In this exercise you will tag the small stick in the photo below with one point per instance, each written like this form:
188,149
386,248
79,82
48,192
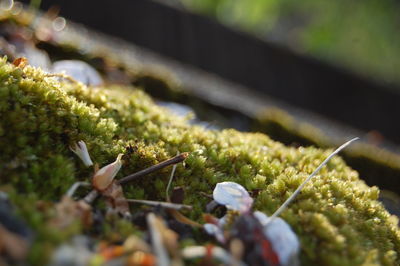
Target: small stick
167,205
297,191
174,160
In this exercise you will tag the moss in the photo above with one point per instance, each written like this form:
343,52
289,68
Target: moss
377,166
337,217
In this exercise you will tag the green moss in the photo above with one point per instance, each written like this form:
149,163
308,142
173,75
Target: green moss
337,217
377,166
116,230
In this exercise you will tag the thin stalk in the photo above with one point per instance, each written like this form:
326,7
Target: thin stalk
169,183
297,191
167,205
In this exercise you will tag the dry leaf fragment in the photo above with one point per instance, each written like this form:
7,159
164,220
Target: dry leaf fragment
68,210
115,198
111,252
140,258
20,62
105,176
134,243
103,181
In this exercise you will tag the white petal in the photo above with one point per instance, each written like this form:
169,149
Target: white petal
82,152
283,240
233,196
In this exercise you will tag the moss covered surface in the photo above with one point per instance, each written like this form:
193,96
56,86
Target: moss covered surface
337,217
377,166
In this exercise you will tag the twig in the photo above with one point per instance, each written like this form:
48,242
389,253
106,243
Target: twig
174,160
167,205
297,191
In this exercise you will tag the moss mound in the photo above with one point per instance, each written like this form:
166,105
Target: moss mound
337,217
377,166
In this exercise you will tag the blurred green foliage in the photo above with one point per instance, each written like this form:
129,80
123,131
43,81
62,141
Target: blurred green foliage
361,35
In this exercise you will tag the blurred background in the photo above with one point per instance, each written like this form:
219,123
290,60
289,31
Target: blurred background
362,36
337,59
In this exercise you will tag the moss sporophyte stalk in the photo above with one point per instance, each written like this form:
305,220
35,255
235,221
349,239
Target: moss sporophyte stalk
336,217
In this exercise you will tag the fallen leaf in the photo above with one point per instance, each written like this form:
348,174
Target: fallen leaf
68,210
115,198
